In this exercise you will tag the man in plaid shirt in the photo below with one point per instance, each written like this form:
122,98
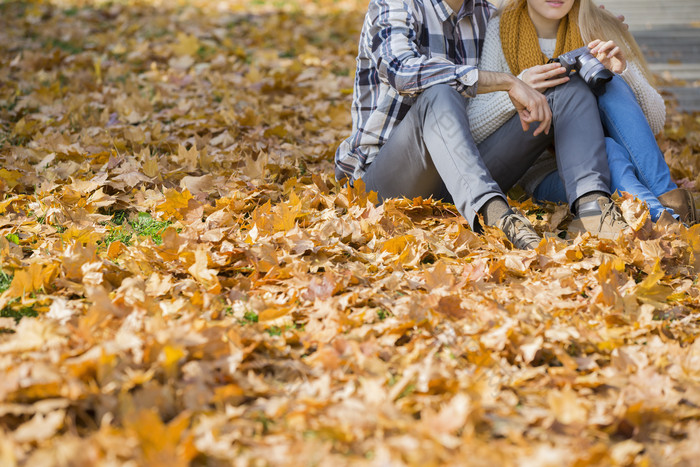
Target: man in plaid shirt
416,69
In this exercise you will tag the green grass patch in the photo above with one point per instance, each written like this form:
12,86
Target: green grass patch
143,225
65,46
5,281
147,226
118,235
18,313
278,330
249,317
382,314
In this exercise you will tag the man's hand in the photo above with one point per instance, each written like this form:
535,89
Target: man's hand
620,17
530,104
543,77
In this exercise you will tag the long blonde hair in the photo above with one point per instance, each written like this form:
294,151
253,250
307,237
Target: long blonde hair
597,23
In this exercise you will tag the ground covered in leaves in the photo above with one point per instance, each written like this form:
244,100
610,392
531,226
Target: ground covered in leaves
183,282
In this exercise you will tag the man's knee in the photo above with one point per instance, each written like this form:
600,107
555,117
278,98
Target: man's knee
448,108
442,96
439,91
576,92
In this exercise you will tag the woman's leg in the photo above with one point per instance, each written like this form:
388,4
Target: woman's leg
624,121
624,178
551,189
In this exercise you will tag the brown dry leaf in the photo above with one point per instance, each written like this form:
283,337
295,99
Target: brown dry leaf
567,407
40,427
184,281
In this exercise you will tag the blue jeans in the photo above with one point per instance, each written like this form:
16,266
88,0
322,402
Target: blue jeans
637,165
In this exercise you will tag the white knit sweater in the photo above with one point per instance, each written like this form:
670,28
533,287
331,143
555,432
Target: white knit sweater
487,112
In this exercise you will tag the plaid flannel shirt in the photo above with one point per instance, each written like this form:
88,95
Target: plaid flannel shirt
405,47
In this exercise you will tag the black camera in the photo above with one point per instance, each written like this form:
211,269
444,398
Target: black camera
593,73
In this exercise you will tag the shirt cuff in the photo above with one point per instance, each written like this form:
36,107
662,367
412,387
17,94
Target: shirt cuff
467,79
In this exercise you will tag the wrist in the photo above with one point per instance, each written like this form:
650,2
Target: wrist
490,81
510,81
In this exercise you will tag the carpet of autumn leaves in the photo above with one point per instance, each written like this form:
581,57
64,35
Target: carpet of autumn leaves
184,283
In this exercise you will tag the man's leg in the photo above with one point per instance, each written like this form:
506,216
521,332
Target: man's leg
431,152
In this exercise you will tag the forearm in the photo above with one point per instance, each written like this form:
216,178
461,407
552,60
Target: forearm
492,81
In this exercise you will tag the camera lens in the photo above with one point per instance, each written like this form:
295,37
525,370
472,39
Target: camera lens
597,82
593,73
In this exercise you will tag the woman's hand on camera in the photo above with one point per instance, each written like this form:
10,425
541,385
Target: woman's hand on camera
543,77
609,54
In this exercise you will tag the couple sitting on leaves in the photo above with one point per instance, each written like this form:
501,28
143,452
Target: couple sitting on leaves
426,122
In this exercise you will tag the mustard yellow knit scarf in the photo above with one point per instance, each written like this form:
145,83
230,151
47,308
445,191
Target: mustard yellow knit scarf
519,37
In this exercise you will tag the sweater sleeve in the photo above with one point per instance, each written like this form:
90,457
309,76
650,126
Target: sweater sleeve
649,99
489,111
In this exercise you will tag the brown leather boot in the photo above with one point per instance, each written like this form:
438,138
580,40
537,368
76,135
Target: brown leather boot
682,203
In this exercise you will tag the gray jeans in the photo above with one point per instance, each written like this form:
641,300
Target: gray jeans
432,152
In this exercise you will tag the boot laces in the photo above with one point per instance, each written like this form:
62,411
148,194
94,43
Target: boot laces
519,232
611,211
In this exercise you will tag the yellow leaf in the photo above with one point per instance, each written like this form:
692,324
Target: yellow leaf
277,130
150,167
651,288
567,407
86,235
286,214
397,245
174,201
40,427
439,276
186,45
31,279
162,445
189,158
202,273
273,313
170,358
97,65
10,177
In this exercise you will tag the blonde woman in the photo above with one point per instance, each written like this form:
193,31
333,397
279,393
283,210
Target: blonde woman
522,39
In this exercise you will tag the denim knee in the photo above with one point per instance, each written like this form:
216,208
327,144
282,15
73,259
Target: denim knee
615,91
